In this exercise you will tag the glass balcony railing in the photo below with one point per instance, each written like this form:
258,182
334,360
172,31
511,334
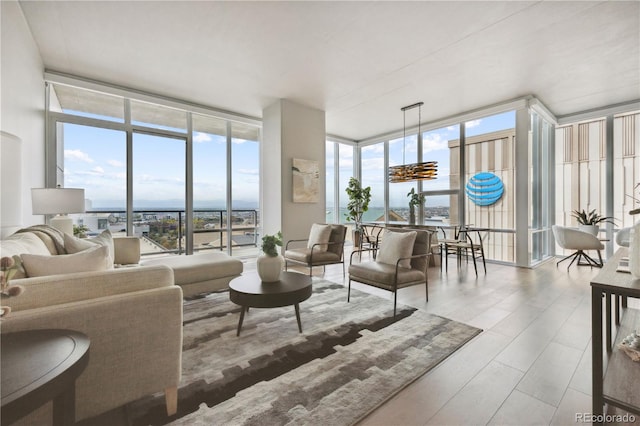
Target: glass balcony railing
162,231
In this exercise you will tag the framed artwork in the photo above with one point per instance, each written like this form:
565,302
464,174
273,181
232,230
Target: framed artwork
306,181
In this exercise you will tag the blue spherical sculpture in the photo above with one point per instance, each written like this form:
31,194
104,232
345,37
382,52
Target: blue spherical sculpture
484,189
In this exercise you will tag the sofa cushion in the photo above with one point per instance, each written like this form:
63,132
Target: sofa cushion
198,267
395,246
94,259
75,245
19,244
319,234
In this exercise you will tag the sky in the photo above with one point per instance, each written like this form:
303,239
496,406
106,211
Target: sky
95,159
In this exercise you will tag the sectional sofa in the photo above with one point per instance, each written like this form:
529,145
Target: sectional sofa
132,314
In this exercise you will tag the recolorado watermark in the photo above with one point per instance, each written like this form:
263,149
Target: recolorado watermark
604,418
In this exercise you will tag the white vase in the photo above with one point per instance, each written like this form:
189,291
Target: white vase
269,267
634,250
592,229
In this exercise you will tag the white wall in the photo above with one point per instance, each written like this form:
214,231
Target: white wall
291,130
22,109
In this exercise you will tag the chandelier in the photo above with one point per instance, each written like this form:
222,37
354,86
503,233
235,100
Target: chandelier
426,170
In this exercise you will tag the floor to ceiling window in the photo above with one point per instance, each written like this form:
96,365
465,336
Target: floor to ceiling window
245,191
541,194
345,172
159,190
441,194
330,161
372,172
402,150
180,171
209,182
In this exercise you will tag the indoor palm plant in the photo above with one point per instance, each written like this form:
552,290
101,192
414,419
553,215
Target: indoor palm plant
590,222
270,263
359,199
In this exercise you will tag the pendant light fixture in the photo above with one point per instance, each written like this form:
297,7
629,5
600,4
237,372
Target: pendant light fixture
426,170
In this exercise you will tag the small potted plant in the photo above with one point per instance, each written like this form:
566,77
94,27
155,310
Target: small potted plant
589,222
359,199
270,263
415,200
80,231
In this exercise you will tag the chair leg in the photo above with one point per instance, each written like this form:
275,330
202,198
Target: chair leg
426,288
475,267
286,265
343,269
395,301
349,291
483,261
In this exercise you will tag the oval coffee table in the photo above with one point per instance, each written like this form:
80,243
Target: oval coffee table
249,291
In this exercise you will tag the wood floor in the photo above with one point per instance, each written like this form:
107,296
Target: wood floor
530,365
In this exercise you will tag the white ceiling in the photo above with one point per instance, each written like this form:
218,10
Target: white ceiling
358,61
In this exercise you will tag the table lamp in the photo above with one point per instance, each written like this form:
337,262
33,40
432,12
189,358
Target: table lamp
60,202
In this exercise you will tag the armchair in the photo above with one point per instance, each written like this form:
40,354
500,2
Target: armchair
325,246
401,262
573,239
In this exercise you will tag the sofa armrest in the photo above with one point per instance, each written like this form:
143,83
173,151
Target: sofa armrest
67,288
126,250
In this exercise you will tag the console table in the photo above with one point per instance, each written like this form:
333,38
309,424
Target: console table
39,366
618,385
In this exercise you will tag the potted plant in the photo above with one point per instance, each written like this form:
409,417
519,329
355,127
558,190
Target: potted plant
359,199
80,231
589,222
415,200
270,263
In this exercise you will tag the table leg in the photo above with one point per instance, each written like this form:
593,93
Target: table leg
297,306
596,352
608,321
64,407
242,310
617,309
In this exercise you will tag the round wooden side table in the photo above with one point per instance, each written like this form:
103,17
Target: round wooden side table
39,366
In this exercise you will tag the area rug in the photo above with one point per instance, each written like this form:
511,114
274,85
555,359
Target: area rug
349,359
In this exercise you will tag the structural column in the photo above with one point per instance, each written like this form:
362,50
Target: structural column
290,130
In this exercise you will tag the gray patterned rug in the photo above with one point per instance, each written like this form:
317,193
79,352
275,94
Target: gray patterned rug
349,359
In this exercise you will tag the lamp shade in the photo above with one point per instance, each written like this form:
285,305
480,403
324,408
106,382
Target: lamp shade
57,200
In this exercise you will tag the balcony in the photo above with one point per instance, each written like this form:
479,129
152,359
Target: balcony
162,231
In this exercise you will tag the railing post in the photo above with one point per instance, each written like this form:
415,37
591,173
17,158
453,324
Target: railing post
180,232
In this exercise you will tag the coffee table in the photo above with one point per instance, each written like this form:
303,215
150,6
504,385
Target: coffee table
249,291
39,366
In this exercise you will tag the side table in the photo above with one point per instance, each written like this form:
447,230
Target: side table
38,366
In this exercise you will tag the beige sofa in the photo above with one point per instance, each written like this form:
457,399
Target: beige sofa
133,317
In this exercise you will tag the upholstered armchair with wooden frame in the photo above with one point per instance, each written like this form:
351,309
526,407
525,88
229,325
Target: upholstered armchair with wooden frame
402,260
325,246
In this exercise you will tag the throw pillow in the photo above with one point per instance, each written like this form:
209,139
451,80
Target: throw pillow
396,245
94,259
319,234
75,245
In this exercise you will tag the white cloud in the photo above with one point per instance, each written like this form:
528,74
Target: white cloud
253,172
98,170
115,163
238,141
76,154
201,137
375,149
372,163
473,123
434,142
